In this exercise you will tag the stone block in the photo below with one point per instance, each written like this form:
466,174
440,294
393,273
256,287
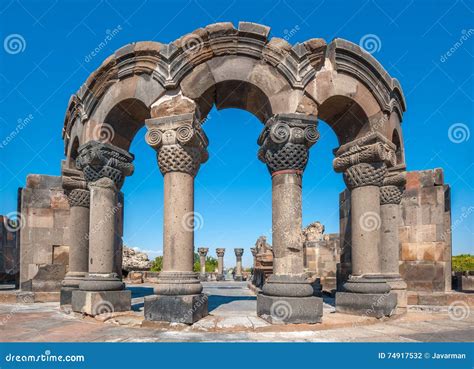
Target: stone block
186,309
438,176
409,251
373,305
65,296
39,218
438,299
101,302
290,310
47,296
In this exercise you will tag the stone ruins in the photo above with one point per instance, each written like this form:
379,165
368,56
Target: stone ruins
394,245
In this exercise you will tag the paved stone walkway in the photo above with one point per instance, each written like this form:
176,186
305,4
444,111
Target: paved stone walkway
232,318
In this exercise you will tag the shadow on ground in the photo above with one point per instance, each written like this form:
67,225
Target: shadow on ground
216,300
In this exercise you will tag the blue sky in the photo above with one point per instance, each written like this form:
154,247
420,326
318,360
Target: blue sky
233,189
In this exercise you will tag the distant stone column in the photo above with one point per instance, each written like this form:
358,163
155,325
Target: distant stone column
253,250
364,164
238,265
79,202
202,261
390,197
105,167
181,147
285,143
220,264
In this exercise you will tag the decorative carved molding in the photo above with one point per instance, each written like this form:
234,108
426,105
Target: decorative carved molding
202,251
180,142
393,186
101,160
239,252
79,198
285,141
220,252
168,64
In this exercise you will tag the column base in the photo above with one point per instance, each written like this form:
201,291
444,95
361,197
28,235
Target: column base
375,305
290,310
399,287
220,277
178,283
288,286
187,309
65,295
101,302
203,277
238,278
102,282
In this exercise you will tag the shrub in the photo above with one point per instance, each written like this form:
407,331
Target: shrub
463,263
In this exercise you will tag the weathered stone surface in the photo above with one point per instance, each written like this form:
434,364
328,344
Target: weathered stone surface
186,309
290,310
100,302
375,305
134,260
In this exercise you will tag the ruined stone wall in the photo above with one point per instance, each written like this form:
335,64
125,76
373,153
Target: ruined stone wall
322,257
9,267
425,233
44,254
425,236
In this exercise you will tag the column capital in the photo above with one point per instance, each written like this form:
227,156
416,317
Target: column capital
99,160
180,143
392,189
75,187
220,252
253,250
202,251
364,161
239,252
372,148
285,142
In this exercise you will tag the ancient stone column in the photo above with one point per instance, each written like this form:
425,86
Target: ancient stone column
220,264
78,196
238,265
364,164
202,261
390,198
287,294
181,146
105,167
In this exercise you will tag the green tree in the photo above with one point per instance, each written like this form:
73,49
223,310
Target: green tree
157,264
463,263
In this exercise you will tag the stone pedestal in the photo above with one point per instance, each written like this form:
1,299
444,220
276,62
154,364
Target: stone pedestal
238,265
105,167
364,163
101,302
220,264
186,309
289,310
285,143
181,148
